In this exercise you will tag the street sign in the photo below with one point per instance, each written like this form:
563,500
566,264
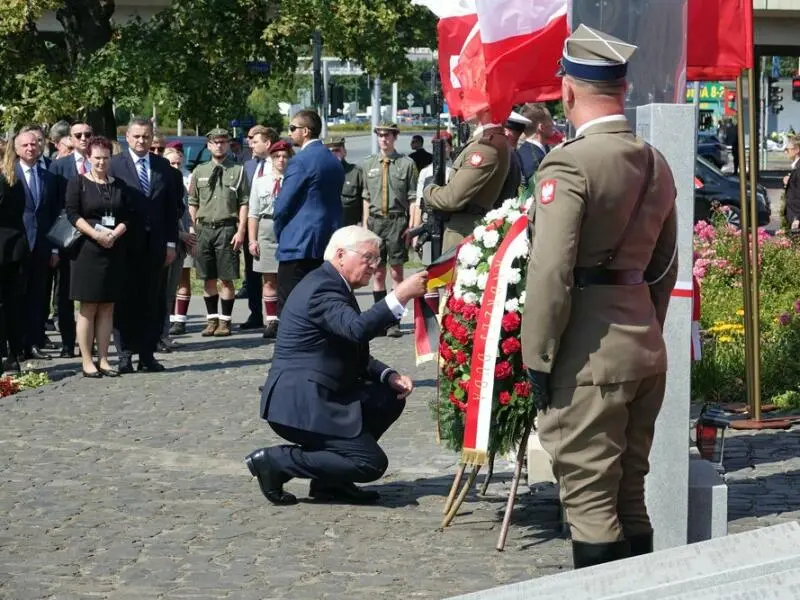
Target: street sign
257,66
776,67
410,99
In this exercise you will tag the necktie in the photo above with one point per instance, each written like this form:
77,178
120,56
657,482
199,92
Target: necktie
143,180
33,184
385,187
261,168
85,166
276,189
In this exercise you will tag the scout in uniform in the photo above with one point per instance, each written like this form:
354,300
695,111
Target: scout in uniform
600,273
390,188
218,199
477,183
353,188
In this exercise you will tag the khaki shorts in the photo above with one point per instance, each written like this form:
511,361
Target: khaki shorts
215,256
267,246
390,229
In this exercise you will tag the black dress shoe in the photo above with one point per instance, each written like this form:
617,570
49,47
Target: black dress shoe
92,375
125,365
67,352
251,324
150,365
108,372
341,492
47,344
269,479
33,353
163,348
270,330
585,554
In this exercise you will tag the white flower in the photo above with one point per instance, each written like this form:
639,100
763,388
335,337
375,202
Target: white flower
490,260
514,276
522,297
510,204
512,305
469,255
467,277
523,250
458,291
496,213
470,298
482,279
479,232
490,239
513,215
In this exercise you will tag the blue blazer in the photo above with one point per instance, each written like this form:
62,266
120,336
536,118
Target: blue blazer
155,219
530,156
321,368
41,213
250,170
309,208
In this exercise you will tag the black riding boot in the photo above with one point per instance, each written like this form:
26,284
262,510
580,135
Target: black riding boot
641,543
585,554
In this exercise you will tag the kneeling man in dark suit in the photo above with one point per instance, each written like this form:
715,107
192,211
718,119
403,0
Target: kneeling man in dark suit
325,394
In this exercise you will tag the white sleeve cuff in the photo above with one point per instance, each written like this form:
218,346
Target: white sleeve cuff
394,305
171,245
385,374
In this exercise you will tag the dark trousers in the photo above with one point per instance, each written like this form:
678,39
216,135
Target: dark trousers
12,308
66,307
139,314
290,273
36,300
338,460
253,281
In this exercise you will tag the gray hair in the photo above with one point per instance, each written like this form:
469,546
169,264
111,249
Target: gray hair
348,238
141,121
60,129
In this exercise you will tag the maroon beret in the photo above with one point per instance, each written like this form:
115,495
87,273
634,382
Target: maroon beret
175,144
280,145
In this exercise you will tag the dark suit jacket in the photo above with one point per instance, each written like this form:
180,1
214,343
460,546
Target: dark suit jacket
155,216
309,208
530,156
13,245
40,216
250,170
63,169
321,364
793,196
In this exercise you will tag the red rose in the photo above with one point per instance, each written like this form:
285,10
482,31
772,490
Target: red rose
449,372
511,321
456,304
502,370
464,384
462,406
469,312
504,398
522,389
461,357
447,322
510,345
445,352
461,334
453,399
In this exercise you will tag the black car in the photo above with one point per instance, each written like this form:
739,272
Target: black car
712,149
713,188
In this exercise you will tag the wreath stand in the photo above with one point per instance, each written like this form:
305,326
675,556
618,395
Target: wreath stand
456,498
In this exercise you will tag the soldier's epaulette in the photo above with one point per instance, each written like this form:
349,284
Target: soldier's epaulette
567,142
487,139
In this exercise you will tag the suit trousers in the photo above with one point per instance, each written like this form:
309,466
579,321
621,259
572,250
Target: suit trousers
338,460
599,438
66,307
12,308
36,300
139,314
253,282
290,273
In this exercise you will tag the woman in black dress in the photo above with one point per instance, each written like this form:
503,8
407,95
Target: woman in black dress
98,206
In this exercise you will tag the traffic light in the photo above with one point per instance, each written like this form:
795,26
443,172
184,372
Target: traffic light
336,97
796,89
775,96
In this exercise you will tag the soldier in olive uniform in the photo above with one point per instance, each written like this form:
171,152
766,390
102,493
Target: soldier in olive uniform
478,181
218,200
390,189
600,273
353,188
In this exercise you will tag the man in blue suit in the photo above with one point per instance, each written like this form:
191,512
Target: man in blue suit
309,207
534,148
325,393
157,196
41,210
65,169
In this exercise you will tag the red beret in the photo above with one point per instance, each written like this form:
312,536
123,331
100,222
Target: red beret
280,145
175,144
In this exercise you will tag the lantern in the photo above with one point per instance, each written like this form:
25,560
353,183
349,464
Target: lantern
710,434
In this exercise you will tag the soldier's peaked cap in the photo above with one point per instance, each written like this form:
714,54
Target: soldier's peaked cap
218,132
516,122
384,126
592,55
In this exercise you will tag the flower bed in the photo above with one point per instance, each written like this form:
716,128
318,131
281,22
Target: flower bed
512,407
720,375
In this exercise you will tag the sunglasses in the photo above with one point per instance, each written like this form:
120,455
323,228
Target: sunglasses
83,135
157,149
293,128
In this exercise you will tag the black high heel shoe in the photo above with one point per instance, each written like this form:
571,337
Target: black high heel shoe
95,375
108,372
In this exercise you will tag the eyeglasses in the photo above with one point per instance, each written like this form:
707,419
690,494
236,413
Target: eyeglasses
293,128
83,134
157,149
370,259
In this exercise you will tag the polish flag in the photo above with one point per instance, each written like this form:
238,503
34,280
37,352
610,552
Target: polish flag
522,41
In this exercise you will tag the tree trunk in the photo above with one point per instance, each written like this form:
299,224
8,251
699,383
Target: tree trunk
87,28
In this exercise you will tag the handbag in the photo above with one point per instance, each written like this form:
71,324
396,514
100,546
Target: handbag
63,234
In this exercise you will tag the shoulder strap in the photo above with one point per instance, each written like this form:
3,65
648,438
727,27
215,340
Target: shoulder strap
635,212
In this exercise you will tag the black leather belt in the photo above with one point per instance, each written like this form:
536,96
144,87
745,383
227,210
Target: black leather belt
585,277
219,224
266,217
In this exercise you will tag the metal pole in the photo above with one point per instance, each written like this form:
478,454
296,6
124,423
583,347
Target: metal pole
316,71
325,99
394,102
755,410
376,111
744,227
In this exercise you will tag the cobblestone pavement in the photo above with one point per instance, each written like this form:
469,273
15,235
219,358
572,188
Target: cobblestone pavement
135,488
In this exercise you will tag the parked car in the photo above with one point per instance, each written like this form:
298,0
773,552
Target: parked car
713,188
712,149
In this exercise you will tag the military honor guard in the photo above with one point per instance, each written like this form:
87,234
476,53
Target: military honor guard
600,273
218,207
353,188
390,187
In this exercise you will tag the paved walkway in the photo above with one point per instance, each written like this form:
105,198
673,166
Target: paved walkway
135,488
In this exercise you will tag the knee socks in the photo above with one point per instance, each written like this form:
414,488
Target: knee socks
227,309
211,306
271,308
181,309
